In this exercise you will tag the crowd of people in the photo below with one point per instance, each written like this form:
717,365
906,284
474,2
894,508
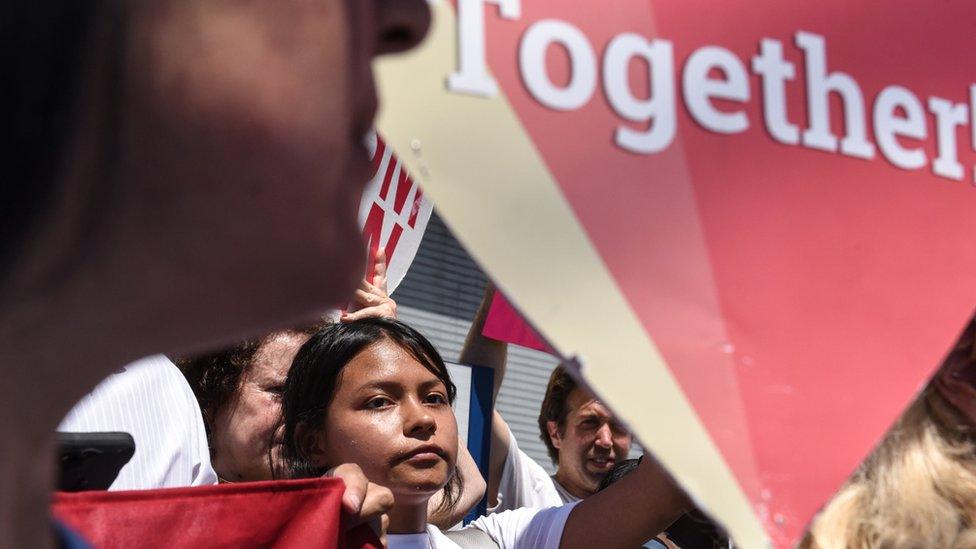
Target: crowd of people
365,395
185,178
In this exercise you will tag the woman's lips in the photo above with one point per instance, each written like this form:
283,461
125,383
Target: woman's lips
422,455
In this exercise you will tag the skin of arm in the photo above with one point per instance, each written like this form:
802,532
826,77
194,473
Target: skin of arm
628,513
479,350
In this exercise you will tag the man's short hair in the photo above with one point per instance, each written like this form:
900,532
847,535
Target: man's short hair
554,407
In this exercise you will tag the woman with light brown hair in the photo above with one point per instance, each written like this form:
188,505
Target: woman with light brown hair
918,487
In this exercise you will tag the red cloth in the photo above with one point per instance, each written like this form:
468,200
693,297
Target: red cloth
280,514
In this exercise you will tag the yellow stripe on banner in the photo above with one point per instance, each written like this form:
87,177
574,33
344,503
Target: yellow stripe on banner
486,178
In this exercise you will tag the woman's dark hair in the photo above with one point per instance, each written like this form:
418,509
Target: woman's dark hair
316,372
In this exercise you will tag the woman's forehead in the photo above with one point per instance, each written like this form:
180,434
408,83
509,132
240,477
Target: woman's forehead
385,361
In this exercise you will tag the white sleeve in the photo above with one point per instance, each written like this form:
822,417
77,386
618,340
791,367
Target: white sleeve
526,528
151,400
524,482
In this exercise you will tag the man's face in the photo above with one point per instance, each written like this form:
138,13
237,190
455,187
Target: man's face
591,443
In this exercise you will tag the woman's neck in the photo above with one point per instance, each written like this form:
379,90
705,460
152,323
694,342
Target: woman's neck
408,518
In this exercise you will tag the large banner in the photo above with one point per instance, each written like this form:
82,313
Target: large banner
749,221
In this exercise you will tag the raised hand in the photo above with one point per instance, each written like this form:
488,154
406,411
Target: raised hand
363,501
371,299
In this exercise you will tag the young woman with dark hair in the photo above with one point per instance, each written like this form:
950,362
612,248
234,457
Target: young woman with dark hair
240,389
330,350
376,394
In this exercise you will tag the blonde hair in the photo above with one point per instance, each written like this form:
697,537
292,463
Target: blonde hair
917,489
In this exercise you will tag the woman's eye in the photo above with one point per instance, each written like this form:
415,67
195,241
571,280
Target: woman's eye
435,398
277,390
377,403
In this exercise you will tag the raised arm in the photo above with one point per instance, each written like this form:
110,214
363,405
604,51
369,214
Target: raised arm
479,350
371,298
631,511
473,489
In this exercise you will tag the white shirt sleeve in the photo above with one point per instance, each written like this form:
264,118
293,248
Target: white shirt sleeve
151,400
524,482
526,528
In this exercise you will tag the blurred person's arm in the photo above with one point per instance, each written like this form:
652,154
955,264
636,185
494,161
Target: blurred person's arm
626,514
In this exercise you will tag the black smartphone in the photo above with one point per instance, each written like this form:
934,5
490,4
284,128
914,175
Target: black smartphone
91,461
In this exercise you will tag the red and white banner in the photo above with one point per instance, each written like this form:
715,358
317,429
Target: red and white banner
393,212
750,221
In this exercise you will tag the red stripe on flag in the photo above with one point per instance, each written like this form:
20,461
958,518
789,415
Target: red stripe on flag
403,189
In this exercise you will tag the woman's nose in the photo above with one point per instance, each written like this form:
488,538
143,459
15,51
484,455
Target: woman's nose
400,24
419,422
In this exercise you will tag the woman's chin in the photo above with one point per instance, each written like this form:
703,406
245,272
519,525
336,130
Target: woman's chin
417,487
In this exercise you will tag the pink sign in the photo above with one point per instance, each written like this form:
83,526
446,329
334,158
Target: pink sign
782,192
505,324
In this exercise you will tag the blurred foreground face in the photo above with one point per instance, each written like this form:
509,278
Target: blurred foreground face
240,151
207,190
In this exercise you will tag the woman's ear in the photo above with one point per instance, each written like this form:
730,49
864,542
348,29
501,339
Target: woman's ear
312,444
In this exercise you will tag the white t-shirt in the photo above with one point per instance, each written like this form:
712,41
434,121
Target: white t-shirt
151,400
522,529
525,483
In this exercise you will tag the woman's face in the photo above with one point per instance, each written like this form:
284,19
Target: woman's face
391,416
243,428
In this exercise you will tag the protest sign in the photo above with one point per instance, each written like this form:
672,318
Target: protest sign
749,222
393,212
